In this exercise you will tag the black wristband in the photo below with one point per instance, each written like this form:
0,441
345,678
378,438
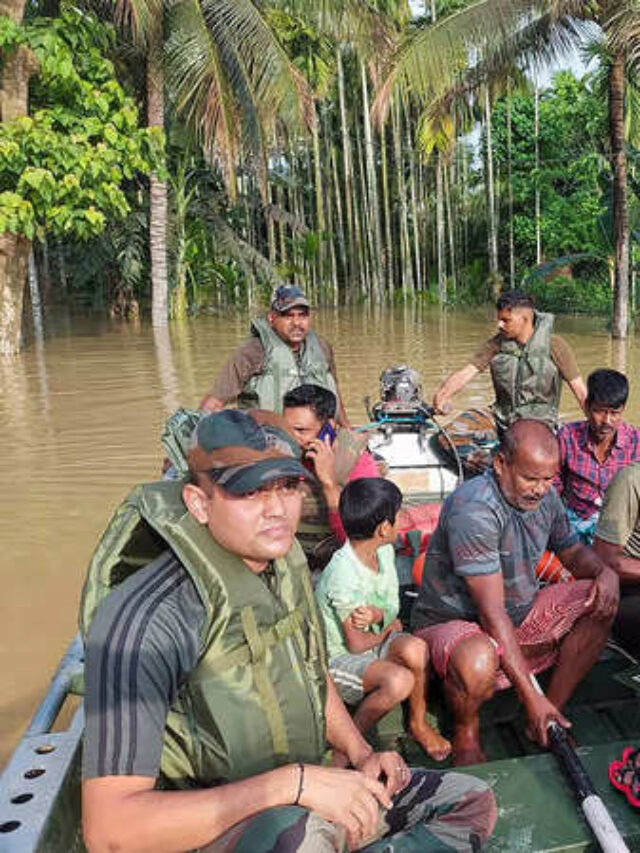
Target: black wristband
300,784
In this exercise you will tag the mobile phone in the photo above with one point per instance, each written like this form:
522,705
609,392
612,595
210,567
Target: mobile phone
327,430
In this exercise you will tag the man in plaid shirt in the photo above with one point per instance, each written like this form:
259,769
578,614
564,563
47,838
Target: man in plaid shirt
593,451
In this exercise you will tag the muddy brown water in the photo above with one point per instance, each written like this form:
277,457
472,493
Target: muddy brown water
80,420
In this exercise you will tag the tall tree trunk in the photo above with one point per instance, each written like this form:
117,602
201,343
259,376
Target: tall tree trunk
339,223
405,271
388,248
620,209
372,193
362,218
14,259
411,147
512,256
440,247
16,67
347,166
465,208
36,300
440,238
450,228
491,193
320,190
158,187
536,134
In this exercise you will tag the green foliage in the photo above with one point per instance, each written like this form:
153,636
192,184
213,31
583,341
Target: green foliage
64,169
566,295
571,137
311,52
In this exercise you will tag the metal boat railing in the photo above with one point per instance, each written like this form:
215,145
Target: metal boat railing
39,788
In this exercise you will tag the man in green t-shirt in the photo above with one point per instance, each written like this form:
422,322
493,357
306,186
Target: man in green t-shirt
618,543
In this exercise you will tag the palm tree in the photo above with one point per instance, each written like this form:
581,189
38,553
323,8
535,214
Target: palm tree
488,33
221,66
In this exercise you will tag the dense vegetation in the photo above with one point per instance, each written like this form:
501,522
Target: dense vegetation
343,145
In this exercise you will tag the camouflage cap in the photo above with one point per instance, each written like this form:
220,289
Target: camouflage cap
244,450
287,297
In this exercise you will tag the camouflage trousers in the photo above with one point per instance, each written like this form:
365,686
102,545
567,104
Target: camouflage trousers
437,811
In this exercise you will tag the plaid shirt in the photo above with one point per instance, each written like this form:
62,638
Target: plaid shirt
582,480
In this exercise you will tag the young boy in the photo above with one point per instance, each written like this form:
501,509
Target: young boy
371,660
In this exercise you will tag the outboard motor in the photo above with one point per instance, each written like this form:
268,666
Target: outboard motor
401,406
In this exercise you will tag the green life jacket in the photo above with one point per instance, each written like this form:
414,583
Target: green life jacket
176,437
256,698
284,369
526,380
314,521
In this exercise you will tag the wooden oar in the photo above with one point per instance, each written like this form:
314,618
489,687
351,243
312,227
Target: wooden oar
593,808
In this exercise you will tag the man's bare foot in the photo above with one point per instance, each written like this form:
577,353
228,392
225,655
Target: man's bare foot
467,749
430,740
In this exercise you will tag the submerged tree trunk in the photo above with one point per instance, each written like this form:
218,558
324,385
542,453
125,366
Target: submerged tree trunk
158,187
16,67
14,260
620,209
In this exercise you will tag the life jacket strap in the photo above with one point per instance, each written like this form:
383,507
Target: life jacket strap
264,685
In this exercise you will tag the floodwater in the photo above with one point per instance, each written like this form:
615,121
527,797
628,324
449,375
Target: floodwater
80,420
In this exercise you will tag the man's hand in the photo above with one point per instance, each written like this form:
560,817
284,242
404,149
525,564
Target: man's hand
321,453
441,405
604,595
349,798
389,765
540,713
365,615
211,404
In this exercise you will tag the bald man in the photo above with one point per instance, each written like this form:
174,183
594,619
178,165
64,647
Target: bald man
488,624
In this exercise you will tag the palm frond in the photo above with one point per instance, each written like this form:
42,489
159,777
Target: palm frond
621,23
232,79
353,22
475,43
252,263
276,213
438,53
139,18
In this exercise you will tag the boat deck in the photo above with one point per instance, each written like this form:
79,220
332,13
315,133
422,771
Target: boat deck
536,808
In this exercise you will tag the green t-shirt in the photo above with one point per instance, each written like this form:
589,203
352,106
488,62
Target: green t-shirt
347,583
619,522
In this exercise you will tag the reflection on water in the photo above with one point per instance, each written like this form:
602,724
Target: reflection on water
80,420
